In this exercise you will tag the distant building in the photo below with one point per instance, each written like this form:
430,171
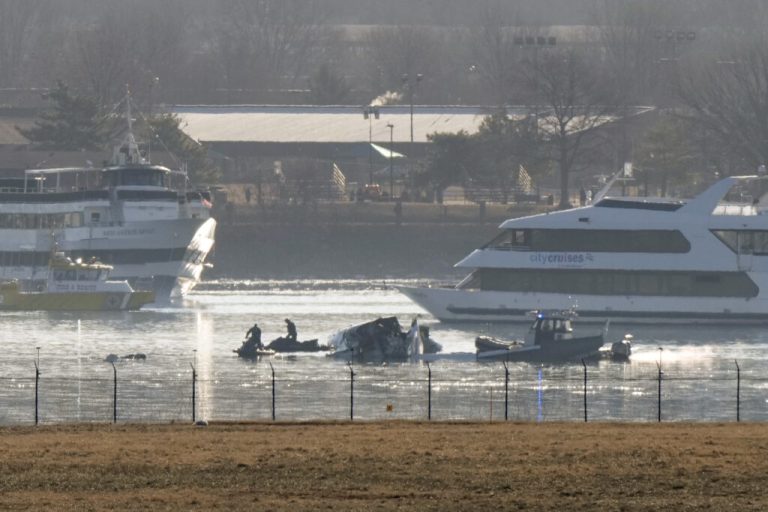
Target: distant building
250,140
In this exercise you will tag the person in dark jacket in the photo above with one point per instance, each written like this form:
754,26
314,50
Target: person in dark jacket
254,337
291,330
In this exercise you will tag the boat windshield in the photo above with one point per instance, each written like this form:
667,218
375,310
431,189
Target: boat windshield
64,275
153,176
88,274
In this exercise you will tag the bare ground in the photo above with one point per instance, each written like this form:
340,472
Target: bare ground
386,466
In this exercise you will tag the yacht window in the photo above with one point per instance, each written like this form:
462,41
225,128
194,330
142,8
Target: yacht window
69,275
639,205
510,239
619,282
760,242
743,241
471,282
607,240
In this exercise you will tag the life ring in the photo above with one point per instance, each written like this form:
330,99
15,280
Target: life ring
113,302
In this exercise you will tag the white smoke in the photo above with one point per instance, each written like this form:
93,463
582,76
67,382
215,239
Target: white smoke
388,98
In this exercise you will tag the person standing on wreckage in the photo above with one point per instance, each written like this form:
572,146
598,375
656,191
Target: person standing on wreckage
253,336
292,335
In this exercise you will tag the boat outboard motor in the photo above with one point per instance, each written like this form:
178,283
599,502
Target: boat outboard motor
622,349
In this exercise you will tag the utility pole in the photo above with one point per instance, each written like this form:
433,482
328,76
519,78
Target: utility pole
368,111
391,161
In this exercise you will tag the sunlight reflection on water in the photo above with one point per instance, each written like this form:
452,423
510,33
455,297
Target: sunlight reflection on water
76,383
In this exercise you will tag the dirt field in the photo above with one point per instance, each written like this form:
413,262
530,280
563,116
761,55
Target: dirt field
386,466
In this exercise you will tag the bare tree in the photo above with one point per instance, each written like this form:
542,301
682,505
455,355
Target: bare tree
131,46
578,98
403,50
494,53
17,19
629,33
666,153
729,98
265,43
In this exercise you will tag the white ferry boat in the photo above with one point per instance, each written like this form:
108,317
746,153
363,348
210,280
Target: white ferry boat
634,259
126,215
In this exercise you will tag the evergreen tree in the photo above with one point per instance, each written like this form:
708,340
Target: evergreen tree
166,132
450,160
504,145
72,123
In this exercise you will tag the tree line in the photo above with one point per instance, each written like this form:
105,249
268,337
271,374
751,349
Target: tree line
710,80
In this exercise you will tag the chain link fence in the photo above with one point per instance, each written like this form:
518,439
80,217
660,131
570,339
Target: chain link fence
466,392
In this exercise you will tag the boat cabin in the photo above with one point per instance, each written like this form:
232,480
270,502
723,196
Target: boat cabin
550,327
136,176
64,272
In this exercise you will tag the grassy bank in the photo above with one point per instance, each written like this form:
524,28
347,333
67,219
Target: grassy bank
385,466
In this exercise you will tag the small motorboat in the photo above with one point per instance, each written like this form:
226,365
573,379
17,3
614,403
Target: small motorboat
252,351
550,339
73,286
619,351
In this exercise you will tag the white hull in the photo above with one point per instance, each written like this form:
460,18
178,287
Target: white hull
128,215
453,305
165,255
643,260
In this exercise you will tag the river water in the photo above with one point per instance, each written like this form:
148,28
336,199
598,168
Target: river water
699,376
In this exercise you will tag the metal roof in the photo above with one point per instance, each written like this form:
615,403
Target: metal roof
324,124
334,124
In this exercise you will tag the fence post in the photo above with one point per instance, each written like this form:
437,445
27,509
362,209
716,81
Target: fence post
114,394
738,391
585,389
194,387
659,399
429,392
37,387
351,393
273,391
506,392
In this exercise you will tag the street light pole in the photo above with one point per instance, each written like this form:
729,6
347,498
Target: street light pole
368,111
391,167
411,85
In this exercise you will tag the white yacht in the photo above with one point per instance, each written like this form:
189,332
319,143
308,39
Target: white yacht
634,259
127,215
